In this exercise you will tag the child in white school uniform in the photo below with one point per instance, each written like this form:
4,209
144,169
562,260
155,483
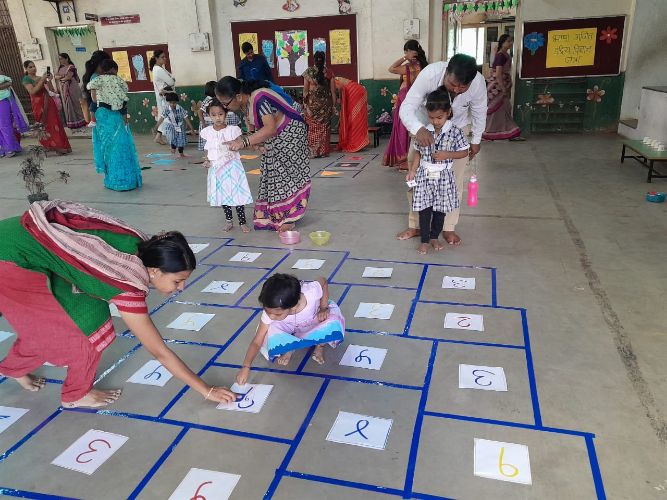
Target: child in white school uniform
297,315
435,192
227,185
176,118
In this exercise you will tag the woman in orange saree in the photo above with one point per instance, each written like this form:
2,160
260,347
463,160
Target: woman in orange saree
353,124
52,135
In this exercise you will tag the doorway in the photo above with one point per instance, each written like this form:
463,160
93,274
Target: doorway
79,42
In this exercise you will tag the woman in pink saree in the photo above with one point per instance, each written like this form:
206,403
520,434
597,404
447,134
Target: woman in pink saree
408,66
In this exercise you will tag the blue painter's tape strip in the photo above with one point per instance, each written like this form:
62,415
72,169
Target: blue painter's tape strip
10,492
224,306
443,303
413,307
420,264
344,294
371,285
426,496
531,370
433,339
494,290
39,427
416,433
157,465
340,264
120,361
297,440
504,423
341,482
595,469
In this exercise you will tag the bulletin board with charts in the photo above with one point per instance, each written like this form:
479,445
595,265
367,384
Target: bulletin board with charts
572,47
133,65
290,44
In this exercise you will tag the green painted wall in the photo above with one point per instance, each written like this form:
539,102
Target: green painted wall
563,104
141,107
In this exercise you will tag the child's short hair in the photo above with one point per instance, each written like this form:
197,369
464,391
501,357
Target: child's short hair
209,88
246,47
171,97
214,103
280,291
107,65
438,100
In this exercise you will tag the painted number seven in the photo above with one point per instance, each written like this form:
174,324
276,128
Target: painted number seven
91,449
198,496
507,470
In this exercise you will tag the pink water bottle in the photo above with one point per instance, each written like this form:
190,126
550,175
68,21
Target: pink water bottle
472,191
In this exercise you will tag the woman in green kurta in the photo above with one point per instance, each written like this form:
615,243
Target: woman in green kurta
62,264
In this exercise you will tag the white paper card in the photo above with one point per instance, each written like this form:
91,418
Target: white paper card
114,310
464,321
90,451
308,264
5,335
198,247
152,373
229,287
203,484
502,461
361,356
245,257
250,398
486,378
377,272
191,321
9,415
360,430
374,310
458,283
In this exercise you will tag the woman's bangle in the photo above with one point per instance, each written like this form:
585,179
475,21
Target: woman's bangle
208,395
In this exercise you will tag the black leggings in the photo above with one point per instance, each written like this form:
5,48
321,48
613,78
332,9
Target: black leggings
240,213
180,149
433,220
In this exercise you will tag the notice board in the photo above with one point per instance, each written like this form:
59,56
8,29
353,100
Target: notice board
572,47
133,65
290,42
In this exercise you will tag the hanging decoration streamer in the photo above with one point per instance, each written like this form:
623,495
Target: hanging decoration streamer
458,10
78,31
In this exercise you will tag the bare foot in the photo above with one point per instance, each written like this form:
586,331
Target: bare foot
228,227
318,354
286,227
451,237
423,248
31,383
408,233
284,359
437,246
183,155
245,228
95,399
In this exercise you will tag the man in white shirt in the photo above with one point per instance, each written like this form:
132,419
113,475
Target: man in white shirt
467,90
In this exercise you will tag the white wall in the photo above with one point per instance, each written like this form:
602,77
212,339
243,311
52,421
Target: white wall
544,10
379,28
162,21
646,61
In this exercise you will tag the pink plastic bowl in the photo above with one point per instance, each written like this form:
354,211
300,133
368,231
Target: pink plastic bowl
290,237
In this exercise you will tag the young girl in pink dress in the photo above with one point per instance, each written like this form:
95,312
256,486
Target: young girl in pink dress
296,316
227,185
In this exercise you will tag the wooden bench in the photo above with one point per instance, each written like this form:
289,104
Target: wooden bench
646,155
376,132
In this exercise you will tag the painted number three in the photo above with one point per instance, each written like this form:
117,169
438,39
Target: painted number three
502,466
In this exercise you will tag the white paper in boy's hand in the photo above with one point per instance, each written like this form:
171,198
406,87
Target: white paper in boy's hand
198,247
205,484
412,183
308,264
458,283
245,257
90,451
250,398
9,415
228,287
191,321
377,272
374,310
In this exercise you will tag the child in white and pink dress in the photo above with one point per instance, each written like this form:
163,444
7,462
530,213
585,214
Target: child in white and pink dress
227,185
296,316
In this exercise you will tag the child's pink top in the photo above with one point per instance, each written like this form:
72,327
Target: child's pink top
303,320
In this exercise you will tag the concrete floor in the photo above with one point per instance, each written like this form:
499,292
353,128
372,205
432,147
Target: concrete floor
569,262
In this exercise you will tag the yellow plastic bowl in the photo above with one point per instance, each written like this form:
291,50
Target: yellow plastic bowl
320,237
